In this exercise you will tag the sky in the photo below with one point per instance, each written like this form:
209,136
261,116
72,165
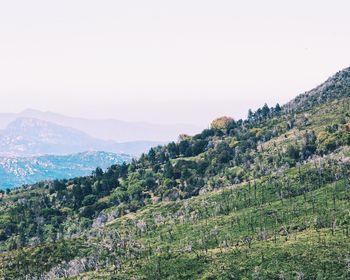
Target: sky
183,61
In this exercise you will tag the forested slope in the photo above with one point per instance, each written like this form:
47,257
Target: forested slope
267,197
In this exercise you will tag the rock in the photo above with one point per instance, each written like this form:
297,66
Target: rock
100,220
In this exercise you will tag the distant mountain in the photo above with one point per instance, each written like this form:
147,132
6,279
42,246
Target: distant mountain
33,137
18,171
108,129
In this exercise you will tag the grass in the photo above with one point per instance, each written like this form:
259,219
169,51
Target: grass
307,250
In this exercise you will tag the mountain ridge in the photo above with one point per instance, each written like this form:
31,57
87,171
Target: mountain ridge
32,137
108,129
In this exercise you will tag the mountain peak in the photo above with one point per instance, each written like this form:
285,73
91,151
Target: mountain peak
30,123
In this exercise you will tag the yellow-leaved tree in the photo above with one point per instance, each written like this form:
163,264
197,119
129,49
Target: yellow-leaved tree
222,123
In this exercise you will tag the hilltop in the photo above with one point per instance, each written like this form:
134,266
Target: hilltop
266,197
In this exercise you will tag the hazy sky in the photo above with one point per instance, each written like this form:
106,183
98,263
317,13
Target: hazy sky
166,61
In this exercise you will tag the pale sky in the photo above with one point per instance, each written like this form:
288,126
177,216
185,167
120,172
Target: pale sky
166,61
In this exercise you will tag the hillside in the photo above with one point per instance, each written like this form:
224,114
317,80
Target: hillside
18,171
267,197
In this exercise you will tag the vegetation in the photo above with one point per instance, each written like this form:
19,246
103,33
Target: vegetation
267,197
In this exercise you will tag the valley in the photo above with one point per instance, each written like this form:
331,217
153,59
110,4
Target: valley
18,171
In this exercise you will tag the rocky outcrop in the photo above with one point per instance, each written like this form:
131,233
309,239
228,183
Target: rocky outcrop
72,268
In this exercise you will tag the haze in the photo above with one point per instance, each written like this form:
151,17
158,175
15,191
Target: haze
166,61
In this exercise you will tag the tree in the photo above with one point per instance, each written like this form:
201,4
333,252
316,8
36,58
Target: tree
152,155
222,123
185,148
250,115
293,152
89,200
278,109
309,147
78,195
98,172
173,150
265,111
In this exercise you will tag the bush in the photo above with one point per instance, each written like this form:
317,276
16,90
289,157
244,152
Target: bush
89,200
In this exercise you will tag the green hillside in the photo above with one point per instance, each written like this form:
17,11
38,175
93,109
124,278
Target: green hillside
267,197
